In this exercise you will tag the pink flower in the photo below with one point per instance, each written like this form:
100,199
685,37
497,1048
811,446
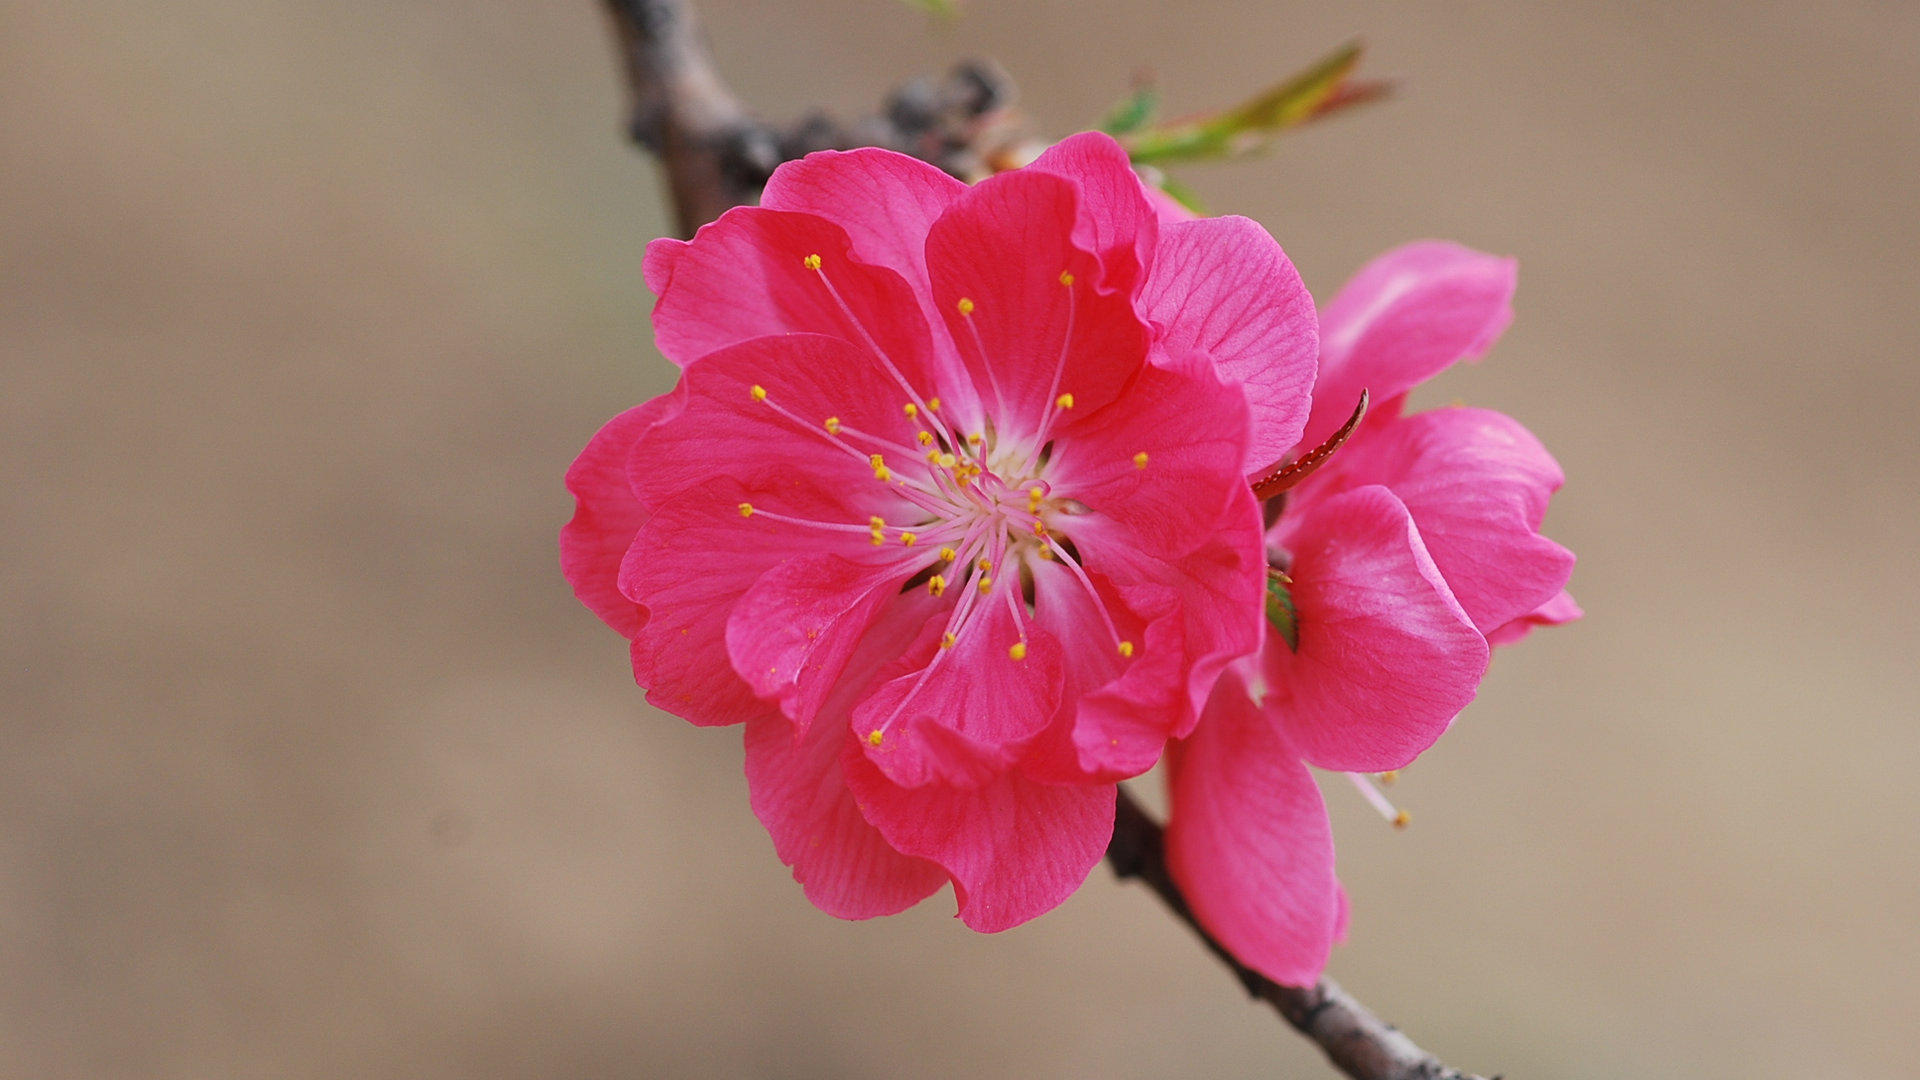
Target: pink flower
1411,552
949,507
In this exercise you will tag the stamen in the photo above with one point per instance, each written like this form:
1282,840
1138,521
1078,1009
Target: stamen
1065,401
1126,648
985,585
947,640
1065,277
1054,549
925,438
965,306
912,410
811,262
874,737
948,554
746,509
1397,818
1018,650
885,360
908,538
833,425
759,392
1140,460
933,404
936,585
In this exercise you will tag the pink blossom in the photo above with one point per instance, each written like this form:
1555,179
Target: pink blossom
1408,554
948,508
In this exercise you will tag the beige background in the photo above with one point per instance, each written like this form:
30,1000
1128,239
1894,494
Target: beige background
311,767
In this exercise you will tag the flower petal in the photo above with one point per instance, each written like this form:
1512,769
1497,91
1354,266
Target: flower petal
1036,323
1249,843
689,565
720,426
606,516
1014,848
959,715
794,630
1387,656
885,201
800,794
753,273
1477,484
1160,468
1204,612
1222,287
1116,220
1560,609
1405,317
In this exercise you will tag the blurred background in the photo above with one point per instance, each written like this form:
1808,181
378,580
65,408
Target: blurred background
312,767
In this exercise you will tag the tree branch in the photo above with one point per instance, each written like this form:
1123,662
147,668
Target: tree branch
1358,1043
716,157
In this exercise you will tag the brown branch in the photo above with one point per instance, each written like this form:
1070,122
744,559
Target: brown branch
716,157
1358,1043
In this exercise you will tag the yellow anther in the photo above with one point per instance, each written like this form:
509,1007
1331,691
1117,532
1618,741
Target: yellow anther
876,522
1040,529
1065,401
876,460
946,641
1066,278
833,425
976,438
1018,650
1401,819
965,305
759,392
933,456
874,736
912,409
1036,493
946,461
985,565
1390,776
986,585
925,437
1140,460
936,584
1126,648
908,538
933,404
948,554
746,509
883,473
878,538
1046,553
813,263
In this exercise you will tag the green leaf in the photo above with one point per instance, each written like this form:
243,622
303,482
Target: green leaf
1248,126
1280,611
1132,112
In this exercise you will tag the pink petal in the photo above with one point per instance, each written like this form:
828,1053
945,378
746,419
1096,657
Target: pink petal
1222,287
719,426
1249,843
800,794
959,716
1004,247
690,564
1387,656
747,276
1405,317
1168,209
1192,428
794,630
1116,220
885,201
606,516
1477,484
1014,848
1560,609
1205,613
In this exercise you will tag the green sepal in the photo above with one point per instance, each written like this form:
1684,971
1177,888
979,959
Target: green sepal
1246,127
